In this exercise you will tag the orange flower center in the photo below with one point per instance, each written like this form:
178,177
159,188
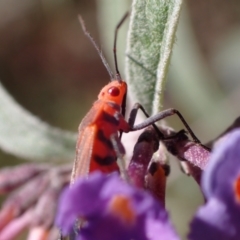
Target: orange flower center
237,188
120,206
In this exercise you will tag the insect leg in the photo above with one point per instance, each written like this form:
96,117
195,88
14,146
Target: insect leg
120,152
161,115
133,115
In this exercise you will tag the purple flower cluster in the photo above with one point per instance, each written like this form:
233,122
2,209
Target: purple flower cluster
108,208
105,207
31,204
219,218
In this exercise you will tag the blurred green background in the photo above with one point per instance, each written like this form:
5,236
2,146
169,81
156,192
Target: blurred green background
51,69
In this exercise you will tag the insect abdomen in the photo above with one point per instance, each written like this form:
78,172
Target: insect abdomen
104,156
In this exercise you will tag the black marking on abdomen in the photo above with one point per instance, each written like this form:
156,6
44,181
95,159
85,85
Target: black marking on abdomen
109,118
104,161
102,138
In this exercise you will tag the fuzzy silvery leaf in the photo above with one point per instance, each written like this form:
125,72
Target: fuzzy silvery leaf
151,37
26,136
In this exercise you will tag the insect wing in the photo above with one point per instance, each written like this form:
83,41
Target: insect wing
84,150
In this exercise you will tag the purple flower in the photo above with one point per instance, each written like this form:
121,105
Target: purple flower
112,209
220,217
31,204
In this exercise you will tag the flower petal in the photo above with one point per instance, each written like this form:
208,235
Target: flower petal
220,217
112,209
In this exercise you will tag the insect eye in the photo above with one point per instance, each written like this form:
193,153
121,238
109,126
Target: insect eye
114,91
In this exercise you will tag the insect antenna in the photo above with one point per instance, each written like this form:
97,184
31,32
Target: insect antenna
118,76
96,47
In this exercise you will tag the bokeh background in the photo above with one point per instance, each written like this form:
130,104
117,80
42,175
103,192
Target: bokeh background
51,69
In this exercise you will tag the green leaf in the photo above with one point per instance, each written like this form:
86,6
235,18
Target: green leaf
151,36
26,136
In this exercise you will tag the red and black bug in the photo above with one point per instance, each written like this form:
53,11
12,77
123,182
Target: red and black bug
99,133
